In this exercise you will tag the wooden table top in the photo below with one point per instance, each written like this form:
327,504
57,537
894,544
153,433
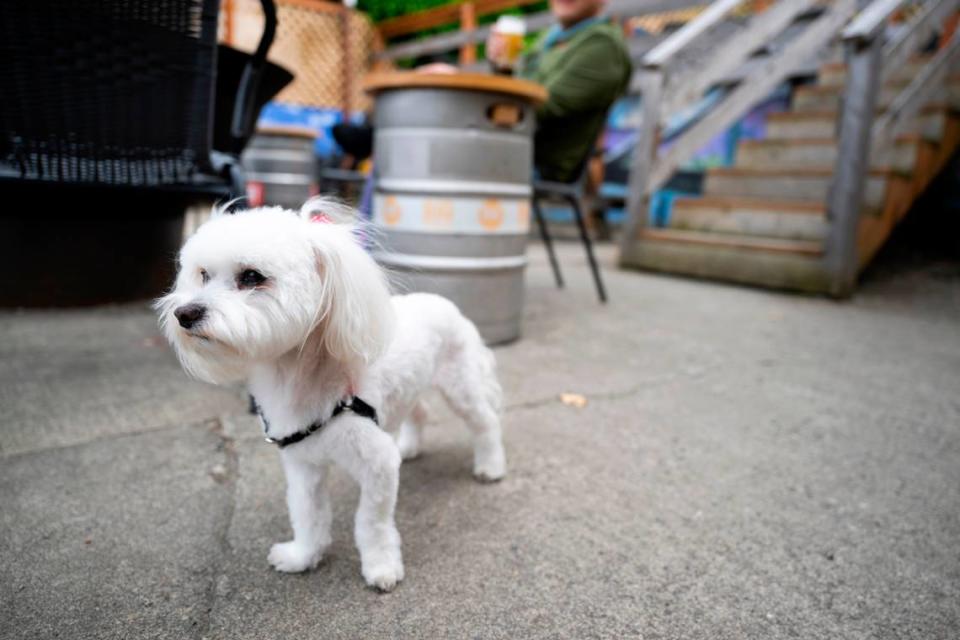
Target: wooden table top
530,91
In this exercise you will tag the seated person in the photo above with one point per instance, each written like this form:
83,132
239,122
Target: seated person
583,62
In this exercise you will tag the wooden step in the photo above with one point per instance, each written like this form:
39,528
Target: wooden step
834,74
789,126
827,98
931,123
772,219
747,243
804,184
822,152
794,265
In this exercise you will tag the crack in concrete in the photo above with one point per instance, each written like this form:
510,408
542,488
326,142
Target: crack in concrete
219,429
96,439
225,550
608,395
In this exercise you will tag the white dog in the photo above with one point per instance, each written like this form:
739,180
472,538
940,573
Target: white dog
298,309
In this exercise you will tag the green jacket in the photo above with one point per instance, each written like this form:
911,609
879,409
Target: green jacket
584,75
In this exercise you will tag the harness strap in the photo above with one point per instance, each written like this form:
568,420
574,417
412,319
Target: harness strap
353,404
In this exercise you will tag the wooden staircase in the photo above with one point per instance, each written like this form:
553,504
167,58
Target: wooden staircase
764,220
767,219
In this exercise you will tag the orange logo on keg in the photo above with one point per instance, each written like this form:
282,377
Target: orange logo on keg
523,214
491,215
392,211
437,213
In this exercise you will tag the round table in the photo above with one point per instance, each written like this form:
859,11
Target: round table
453,156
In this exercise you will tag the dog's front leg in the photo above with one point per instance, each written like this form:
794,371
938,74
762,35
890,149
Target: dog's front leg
310,515
370,456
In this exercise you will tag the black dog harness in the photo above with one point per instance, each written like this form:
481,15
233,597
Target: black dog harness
353,403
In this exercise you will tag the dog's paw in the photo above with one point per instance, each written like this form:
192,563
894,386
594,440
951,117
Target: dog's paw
290,557
487,476
489,460
492,469
384,574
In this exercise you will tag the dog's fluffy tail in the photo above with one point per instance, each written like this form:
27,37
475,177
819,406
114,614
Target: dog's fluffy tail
479,366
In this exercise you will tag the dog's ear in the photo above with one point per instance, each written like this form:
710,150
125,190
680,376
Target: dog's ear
356,317
325,210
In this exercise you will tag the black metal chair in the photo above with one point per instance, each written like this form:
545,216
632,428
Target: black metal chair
571,193
341,180
121,93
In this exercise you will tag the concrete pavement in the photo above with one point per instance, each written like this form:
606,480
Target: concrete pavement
749,465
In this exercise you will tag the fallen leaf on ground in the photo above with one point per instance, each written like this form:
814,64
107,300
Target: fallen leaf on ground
573,400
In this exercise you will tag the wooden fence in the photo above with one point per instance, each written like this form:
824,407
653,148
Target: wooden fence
327,46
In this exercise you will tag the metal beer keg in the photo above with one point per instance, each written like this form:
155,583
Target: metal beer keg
281,167
452,202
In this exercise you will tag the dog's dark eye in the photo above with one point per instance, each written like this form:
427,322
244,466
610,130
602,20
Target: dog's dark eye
250,278
204,276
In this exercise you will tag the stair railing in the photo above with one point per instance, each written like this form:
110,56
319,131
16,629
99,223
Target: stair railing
666,87
870,58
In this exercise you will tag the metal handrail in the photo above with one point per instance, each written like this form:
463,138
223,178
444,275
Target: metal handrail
664,53
861,133
775,71
920,29
868,56
870,22
650,170
733,53
909,101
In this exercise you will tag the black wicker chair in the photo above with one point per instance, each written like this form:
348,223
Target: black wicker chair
121,93
115,117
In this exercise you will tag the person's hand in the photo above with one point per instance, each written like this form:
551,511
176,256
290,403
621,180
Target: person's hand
496,48
438,67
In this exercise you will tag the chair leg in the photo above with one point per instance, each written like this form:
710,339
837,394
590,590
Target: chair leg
547,242
588,246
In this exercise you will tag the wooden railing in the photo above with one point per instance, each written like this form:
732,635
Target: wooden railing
870,58
465,13
444,15
327,45
458,40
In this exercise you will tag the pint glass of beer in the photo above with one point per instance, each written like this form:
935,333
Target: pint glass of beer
509,30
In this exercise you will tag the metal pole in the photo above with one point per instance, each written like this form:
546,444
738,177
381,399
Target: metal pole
845,201
644,157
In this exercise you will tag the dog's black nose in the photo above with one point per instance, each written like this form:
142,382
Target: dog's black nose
190,314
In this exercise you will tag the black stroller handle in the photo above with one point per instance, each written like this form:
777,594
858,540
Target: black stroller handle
242,122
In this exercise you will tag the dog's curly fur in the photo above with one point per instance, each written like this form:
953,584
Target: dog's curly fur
320,326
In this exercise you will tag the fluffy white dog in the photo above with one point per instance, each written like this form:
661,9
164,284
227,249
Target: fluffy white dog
298,309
